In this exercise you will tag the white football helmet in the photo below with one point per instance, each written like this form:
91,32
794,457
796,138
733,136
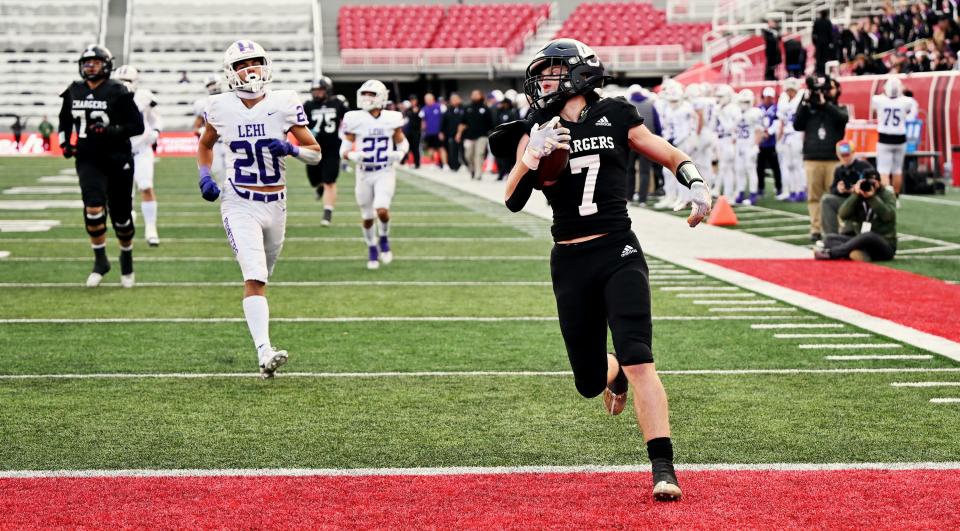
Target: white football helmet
128,75
212,84
692,92
241,51
724,94
377,101
893,88
791,83
746,98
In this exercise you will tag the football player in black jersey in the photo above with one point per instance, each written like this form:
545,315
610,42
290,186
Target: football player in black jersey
599,273
325,112
104,116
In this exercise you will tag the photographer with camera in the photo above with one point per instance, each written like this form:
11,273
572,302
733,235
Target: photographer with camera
850,170
823,122
873,206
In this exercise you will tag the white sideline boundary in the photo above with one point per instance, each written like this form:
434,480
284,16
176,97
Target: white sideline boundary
925,384
458,374
945,400
469,470
371,319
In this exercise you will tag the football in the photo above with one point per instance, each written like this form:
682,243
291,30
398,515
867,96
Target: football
552,166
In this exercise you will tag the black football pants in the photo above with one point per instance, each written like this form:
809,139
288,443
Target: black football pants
599,283
107,182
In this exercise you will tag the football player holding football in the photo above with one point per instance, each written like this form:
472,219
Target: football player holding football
598,270
142,146
253,124
104,116
373,138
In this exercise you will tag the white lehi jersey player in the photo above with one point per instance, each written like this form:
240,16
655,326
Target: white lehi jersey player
893,113
152,122
374,136
245,132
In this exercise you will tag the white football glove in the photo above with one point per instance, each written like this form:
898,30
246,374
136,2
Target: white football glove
355,156
544,139
701,201
396,156
152,136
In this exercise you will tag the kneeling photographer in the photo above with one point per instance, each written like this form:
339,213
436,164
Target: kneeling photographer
823,122
850,170
875,208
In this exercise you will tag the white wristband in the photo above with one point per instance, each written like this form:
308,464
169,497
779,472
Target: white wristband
345,147
309,156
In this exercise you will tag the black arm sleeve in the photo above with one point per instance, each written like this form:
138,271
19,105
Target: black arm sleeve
521,194
65,127
128,120
800,120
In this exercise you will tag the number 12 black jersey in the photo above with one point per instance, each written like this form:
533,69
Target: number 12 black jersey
590,195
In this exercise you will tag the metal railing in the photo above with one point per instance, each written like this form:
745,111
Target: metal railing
127,30
686,10
660,57
317,38
104,8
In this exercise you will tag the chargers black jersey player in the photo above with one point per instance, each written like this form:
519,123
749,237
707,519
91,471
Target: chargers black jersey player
325,112
598,271
589,196
102,114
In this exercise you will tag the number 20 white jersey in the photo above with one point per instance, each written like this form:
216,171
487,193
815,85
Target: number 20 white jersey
374,136
893,113
245,133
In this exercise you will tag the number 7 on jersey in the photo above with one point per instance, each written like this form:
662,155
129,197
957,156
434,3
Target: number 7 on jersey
592,164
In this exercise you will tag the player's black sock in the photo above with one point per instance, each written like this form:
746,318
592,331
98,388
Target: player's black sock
660,451
619,384
328,214
100,263
126,261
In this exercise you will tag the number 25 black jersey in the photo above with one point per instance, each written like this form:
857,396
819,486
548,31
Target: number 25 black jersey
590,195
111,105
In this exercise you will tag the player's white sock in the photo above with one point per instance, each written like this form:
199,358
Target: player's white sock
383,227
149,209
370,236
257,312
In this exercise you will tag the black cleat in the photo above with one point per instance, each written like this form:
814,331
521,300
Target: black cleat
665,486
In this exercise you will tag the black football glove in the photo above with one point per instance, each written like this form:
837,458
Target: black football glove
96,128
68,151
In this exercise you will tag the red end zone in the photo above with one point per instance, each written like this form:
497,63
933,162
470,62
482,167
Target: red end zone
844,499
920,302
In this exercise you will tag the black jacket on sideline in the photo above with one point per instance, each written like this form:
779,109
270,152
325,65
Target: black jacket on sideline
823,127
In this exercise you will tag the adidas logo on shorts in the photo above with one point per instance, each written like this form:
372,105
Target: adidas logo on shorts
627,251
603,121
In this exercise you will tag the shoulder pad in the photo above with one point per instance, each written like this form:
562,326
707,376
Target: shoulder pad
505,138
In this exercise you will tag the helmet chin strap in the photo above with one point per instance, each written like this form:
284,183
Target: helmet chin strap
247,95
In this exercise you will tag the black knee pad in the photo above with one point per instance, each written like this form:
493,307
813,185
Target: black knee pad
635,354
590,387
124,230
96,224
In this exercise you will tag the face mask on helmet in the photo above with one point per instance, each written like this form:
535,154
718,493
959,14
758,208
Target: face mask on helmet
562,69
372,95
242,72
96,63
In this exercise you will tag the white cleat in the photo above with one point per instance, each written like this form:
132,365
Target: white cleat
127,281
664,202
386,257
784,196
373,264
747,202
153,239
271,360
325,222
94,280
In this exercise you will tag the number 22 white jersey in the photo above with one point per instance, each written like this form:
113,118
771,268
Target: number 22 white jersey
893,113
374,136
246,132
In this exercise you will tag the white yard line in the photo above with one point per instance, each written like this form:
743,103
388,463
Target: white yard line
784,228
931,200
937,257
453,374
738,309
945,400
371,319
468,471
849,346
879,357
925,384
767,326
442,258
353,239
317,283
707,288
826,335
734,302
727,297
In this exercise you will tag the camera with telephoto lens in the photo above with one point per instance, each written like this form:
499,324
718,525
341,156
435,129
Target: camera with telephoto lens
868,182
818,90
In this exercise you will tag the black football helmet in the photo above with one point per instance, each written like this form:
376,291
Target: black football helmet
95,51
322,82
584,73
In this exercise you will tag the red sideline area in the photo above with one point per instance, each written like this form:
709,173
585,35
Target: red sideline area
845,499
920,302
